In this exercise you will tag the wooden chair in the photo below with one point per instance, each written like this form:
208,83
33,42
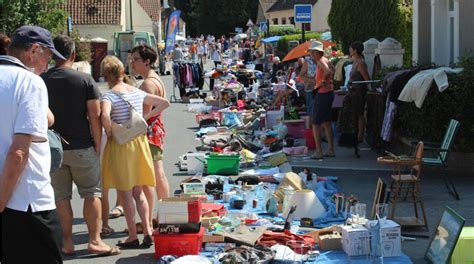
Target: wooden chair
407,185
440,154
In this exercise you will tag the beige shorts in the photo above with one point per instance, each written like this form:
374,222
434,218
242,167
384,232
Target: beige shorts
82,167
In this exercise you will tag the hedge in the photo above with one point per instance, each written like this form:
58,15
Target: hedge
281,30
350,21
283,42
429,123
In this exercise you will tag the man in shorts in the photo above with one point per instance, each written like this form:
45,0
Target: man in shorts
74,99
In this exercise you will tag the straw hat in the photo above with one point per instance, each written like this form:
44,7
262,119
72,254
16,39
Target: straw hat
316,45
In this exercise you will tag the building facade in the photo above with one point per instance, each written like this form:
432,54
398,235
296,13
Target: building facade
442,30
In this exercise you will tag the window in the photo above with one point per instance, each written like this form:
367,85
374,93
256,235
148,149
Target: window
275,21
283,20
292,20
307,26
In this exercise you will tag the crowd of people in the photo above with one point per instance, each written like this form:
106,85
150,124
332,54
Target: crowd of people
35,203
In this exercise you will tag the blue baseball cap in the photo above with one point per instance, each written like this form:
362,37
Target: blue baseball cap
35,34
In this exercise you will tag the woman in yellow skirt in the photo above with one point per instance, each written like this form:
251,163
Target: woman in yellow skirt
128,167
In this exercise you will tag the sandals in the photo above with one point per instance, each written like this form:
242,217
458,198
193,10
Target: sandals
129,245
147,242
328,155
106,231
317,156
113,251
116,212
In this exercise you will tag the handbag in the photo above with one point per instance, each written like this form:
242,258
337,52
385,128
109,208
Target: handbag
130,129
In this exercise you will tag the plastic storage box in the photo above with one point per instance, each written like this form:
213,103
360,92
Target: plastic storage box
223,164
178,244
295,128
308,135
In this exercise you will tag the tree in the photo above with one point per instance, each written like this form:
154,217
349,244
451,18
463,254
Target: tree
47,14
216,17
352,20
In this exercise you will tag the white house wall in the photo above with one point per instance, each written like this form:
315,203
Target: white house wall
320,15
466,27
102,31
422,31
439,32
141,20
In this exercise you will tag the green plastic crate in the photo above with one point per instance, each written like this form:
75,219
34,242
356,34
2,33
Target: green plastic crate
223,164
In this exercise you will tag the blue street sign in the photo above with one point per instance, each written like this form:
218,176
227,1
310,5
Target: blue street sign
303,13
263,26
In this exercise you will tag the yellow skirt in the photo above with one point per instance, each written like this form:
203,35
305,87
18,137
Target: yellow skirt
126,166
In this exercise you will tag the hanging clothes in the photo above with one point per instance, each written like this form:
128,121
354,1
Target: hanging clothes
187,75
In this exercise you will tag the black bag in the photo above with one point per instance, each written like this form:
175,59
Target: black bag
208,123
56,148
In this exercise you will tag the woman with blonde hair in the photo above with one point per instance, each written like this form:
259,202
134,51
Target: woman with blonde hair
128,167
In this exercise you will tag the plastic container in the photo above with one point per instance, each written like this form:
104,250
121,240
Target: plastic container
223,164
308,135
196,162
178,244
295,127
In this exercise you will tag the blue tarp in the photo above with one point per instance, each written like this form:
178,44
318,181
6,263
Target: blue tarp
271,39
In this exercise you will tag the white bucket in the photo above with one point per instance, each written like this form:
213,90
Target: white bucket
195,162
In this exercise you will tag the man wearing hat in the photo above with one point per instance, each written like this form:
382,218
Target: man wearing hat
30,226
323,99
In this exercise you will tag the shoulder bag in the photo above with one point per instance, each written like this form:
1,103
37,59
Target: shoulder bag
130,129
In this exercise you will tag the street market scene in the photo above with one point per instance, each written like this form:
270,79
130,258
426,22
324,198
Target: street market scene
236,131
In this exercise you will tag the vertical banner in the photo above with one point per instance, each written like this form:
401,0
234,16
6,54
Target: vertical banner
172,30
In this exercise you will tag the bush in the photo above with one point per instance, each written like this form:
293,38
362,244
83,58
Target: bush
283,42
429,123
83,48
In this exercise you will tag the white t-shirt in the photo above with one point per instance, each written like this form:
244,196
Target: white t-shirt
24,108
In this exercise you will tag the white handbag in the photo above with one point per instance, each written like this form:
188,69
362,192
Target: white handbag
130,129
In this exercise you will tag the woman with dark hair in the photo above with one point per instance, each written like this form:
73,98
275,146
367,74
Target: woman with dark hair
4,44
351,121
143,59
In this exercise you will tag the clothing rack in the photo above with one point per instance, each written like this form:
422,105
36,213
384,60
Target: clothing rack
195,80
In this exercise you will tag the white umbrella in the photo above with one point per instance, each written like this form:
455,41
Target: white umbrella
240,36
178,37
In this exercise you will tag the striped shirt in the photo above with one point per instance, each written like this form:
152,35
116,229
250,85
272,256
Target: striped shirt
119,113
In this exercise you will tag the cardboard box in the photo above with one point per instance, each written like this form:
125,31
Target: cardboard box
389,237
179,210
212,238
355,240
330,242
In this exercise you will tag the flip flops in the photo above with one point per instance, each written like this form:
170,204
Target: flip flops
116,212
113,251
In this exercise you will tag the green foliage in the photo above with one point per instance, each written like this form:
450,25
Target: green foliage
281,30
83,48
16,13
351,20
216,17
283,43
429,123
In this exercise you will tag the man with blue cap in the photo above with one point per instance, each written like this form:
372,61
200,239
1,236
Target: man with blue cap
31,232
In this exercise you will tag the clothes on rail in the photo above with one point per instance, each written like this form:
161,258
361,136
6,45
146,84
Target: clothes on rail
187,75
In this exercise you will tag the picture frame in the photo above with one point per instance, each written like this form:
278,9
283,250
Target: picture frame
379,196
445,237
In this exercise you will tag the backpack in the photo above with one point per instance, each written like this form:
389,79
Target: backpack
54,139
56,148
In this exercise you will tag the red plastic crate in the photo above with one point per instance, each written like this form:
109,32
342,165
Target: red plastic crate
178,244
308,135
295,128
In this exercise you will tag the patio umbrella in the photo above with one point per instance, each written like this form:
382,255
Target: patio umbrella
240,36
302,50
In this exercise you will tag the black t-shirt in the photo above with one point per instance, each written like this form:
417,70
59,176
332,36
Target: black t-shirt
68,92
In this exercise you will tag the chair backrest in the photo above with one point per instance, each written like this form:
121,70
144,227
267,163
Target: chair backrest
416,169
448,139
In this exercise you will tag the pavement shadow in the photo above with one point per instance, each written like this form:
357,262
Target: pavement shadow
142,258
